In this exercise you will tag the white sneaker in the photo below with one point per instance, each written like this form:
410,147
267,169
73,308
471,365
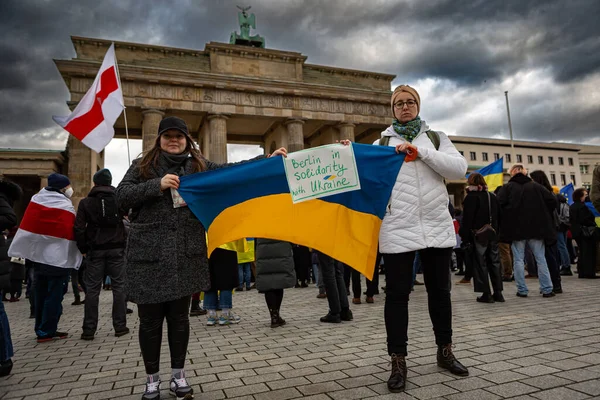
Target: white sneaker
152,391
180,388
211,321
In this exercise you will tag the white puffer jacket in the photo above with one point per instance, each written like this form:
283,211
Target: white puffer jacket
417,216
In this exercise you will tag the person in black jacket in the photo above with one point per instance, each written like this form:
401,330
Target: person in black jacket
100,235
480,207
275,271
584,230
9,193
526,209
552,256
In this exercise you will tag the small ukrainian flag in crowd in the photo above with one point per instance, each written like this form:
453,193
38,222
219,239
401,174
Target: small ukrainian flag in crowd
493,174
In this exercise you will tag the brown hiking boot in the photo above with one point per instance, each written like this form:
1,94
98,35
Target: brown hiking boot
356,300
397,381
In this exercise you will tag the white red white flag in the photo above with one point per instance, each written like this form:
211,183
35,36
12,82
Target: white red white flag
93,120
46,232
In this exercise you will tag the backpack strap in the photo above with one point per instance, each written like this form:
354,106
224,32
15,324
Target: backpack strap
432,135
435,139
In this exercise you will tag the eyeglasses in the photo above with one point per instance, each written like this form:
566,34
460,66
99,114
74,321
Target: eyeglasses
400,105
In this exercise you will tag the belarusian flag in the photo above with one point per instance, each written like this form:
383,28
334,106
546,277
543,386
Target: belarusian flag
93,119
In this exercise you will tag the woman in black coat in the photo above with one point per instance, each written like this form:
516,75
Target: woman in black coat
166,260
274,272
583,228
480,207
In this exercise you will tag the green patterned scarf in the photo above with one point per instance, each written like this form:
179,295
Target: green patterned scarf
409,130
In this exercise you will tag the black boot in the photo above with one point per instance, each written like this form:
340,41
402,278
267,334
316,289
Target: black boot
485,298
346,315
334,318
6,367
276,320
397,381
196,309
446,360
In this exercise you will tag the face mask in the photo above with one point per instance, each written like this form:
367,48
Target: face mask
69,192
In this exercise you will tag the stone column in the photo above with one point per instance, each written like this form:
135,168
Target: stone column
295,135
217,142
346,131
43,181
150,124
80,170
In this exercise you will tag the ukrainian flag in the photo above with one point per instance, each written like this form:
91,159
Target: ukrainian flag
253,200
493,174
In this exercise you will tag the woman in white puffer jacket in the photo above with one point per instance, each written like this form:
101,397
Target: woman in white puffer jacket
417,218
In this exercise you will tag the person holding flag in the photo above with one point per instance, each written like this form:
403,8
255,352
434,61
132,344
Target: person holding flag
166,253
46,237
417,219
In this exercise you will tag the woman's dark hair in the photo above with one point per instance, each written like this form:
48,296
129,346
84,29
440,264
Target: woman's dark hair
578,195
476,179
150,157
541,178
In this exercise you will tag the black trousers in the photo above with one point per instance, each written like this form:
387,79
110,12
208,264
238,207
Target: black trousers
99,264
553,261
333,278
487,268
586,261
371,285
274,298
436,273
151,323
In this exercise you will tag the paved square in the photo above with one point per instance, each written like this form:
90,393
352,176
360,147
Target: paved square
531,348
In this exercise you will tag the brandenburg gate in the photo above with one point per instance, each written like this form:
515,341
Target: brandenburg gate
228,93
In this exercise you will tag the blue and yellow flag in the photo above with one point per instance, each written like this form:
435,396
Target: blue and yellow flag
253,200
493,174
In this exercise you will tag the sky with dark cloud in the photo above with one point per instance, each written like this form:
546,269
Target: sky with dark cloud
461,55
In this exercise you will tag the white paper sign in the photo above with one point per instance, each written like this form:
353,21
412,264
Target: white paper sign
177,199
321,171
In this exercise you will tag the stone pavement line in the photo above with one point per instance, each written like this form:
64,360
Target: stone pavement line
531,348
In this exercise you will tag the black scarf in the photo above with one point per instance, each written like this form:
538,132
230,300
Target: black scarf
174,163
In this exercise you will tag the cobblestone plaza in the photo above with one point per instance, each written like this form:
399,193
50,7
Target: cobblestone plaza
531,348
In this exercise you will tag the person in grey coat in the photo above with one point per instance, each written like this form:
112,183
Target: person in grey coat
166,260
274,272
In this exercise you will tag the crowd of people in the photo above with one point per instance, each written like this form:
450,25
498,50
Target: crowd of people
143,237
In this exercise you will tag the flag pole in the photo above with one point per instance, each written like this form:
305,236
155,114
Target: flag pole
512,144
124,108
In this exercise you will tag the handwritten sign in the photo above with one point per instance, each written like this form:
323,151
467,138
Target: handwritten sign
321,171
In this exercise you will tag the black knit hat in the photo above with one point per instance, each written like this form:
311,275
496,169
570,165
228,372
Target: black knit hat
58,181
173,123
103,177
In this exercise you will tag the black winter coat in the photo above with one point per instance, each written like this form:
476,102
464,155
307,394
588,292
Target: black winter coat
166,249
476,213
88,232
274,265
526,210
166,255
580,215
223,266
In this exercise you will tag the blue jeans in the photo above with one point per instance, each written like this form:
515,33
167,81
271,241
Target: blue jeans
416,268
49,293
244,274
539,252
565,260
211,299
315,268
6,347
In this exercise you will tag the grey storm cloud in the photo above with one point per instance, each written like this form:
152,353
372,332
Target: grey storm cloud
461,52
